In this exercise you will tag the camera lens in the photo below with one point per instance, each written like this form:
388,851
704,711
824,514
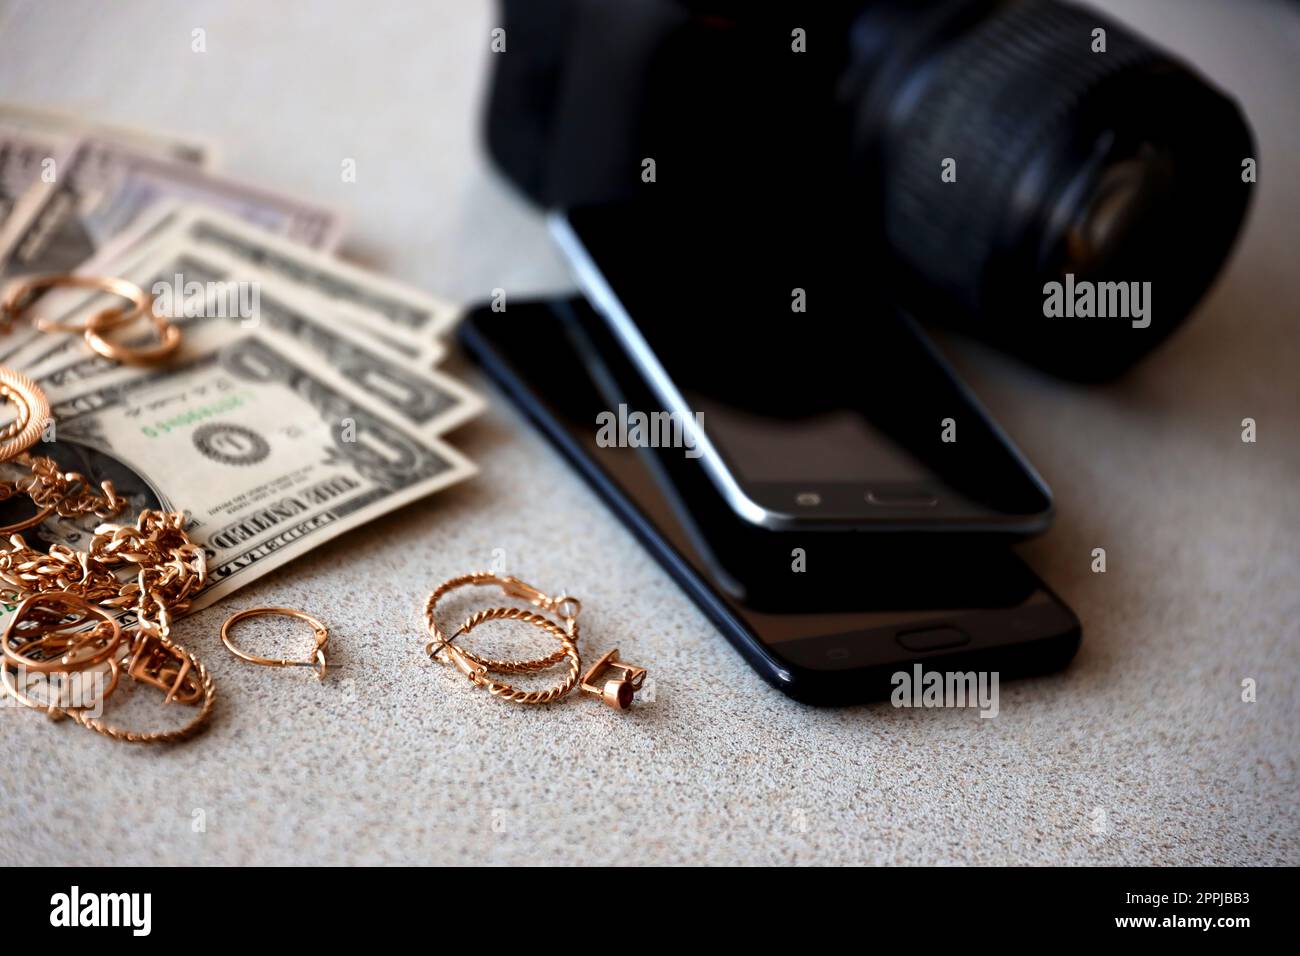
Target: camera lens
1012,145
1114,206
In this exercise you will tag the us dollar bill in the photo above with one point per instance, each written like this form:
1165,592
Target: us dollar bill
26,158
197,286
406,314
268,452
48,124
104,186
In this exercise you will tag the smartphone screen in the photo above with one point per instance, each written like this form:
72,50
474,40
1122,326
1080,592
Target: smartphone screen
811,602
810,399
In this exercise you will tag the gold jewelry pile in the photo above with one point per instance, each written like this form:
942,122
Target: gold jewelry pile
151,567
617,692
62,633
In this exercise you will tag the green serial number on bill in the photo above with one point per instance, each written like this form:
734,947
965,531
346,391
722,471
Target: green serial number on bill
185,419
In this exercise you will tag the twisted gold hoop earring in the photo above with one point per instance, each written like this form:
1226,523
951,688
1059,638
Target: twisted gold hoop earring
566,607
477,673
170,570
617,692
149,660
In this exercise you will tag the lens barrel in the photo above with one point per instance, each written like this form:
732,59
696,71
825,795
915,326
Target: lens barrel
1082,158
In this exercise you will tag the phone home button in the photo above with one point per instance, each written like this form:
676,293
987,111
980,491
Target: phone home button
933,638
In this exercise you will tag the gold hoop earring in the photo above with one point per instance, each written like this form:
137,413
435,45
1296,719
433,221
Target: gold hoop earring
616,692
317,659
18,299
170,569
169,339
477,673
566,607
149,660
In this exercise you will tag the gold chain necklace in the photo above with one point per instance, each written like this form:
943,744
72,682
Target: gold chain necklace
50,585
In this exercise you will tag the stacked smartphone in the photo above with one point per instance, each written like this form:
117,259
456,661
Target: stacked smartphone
808,469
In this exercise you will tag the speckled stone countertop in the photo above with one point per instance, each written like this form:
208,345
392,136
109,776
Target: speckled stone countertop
1141,752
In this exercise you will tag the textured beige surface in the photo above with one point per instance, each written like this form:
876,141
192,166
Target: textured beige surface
1201,533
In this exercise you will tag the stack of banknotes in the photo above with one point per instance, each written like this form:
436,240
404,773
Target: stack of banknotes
306,398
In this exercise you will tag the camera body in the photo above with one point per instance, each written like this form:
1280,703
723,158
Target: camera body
1027,171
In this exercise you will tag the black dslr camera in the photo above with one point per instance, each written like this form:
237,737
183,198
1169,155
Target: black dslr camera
972,156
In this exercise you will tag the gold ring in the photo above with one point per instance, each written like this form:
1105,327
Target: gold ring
54,710
317,659
47,635
169,337
19,297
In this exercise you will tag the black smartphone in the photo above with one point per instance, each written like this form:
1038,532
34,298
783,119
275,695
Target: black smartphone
823,616
807,408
